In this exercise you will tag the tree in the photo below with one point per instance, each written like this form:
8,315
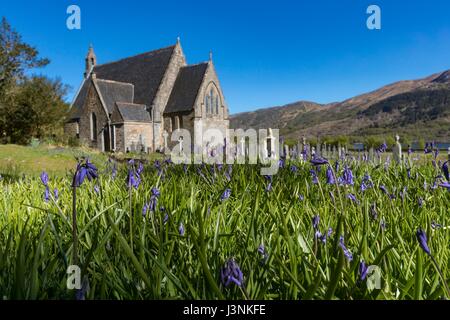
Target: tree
15,58
38,109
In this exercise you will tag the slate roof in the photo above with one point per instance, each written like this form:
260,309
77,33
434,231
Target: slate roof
186,88
145,71
75,111
133,112
112,91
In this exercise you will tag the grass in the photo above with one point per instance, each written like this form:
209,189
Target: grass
125,255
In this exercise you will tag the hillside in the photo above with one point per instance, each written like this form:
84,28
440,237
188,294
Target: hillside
415,108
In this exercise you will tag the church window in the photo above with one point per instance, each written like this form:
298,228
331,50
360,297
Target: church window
93,127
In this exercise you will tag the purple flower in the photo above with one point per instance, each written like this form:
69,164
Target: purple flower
315,222
353,198
145,209
318,161
56,193
155,192
133,179
420,202
445,185
445,170
166,218
231,273
423,242
382,148
44,178
181,229
84,170
383,188
96,189
269,187
315,180
225,195
373,211
46,194
347,177
435,225
294,168
362,270
347,253
301,197
330,176
264,254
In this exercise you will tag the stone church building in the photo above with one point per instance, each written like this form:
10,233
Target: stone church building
127,105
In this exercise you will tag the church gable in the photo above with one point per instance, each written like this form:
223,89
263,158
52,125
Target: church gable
210,101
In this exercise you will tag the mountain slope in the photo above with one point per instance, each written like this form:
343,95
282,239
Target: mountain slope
414,108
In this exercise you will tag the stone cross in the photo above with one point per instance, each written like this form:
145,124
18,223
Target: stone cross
286,151
165,135
180,140
397,151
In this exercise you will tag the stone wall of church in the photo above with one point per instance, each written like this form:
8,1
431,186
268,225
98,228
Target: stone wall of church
137,136
70,129
92,105
207,121
119,137
177,61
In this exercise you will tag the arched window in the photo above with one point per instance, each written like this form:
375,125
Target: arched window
217,104
207,103
93,127
212,100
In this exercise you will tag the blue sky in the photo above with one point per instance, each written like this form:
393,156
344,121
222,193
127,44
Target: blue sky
267,53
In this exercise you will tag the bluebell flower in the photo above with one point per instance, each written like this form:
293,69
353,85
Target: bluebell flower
373,211
46,194
362,270
44,178
347,177
330,176
225,195
315,222
318,161
231,273
347,252
56,193
315,179
262,251
84,170
353,198
435,225
145,209
420,202
423,241
181,229
445,171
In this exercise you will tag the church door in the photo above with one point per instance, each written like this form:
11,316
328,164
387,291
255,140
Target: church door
106,140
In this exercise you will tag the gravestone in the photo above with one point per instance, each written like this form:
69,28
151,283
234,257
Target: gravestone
397,151
286,151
